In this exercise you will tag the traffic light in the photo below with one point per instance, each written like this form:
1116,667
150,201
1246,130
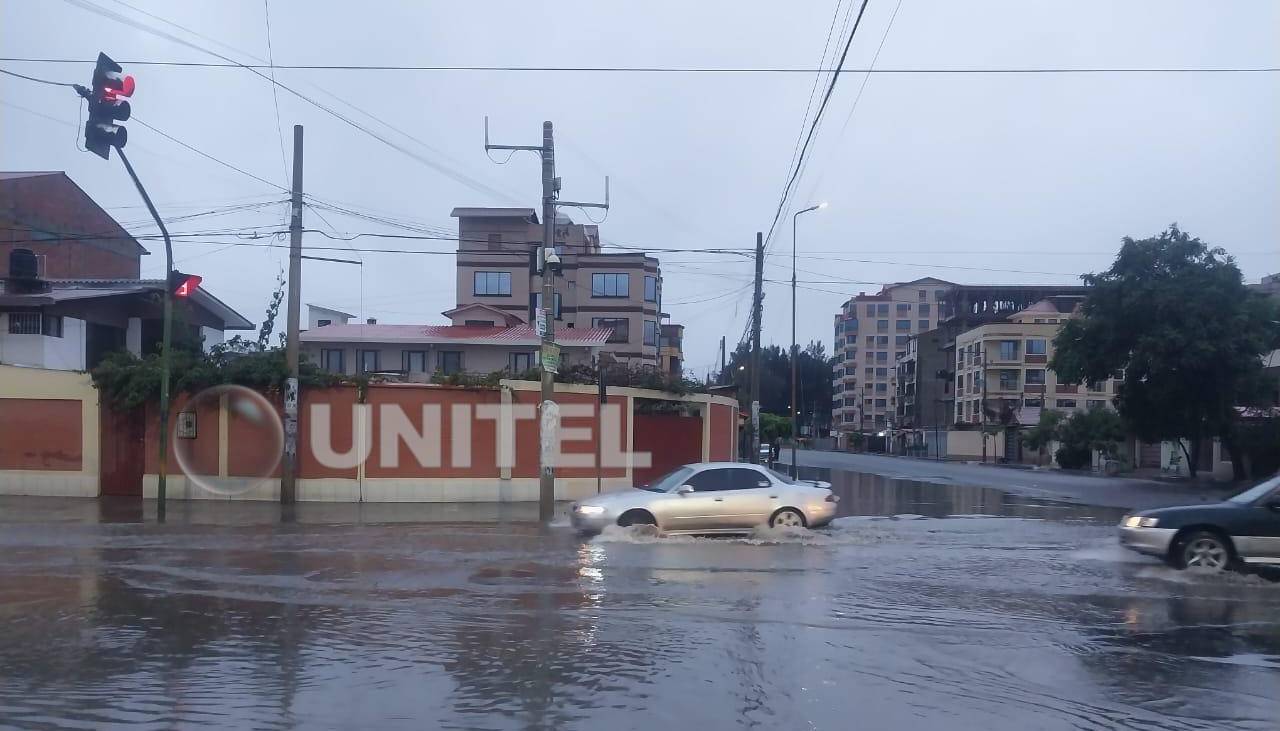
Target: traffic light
106,106
183,285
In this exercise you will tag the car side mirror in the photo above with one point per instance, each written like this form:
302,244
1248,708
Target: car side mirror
684,489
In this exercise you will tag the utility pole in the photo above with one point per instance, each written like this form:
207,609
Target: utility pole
289,468
757,310
720,375
550,412
982,404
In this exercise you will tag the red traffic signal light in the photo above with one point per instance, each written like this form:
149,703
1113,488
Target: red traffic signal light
183,285
106,106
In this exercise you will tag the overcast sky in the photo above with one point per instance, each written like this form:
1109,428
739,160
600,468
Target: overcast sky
972,178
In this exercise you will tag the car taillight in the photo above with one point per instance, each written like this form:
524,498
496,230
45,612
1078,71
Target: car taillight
831,498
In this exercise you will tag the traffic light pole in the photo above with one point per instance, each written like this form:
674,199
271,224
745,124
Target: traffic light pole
164,341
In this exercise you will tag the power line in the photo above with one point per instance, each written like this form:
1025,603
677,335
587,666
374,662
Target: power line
817,118
206,155
679,69
38,81
275,97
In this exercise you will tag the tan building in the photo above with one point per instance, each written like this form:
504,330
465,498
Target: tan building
671,350
620,292
1002,368
871,333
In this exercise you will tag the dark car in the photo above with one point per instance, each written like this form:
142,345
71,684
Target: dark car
1244,529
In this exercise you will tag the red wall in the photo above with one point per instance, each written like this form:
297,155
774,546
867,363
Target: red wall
40,434
671,440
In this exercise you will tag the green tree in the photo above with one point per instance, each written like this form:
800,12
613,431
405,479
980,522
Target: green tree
1045,431
1175,316
814,371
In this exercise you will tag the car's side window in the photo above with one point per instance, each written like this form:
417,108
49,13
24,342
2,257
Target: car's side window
741,478
709,481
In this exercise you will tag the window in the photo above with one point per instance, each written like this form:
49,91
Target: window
848,417
712,480
871,310
478,323
521,362
1037,347
901,339
650,332
871,372
322,323
331,360
367,360
922,325
1096,403
881,403
555,300
1008,380
882,326
923,307
882,373
415,361
851,402
650,289
959,383
883,341
1008,350
938,294
621,327
1035,376
868,403
882,388
51,325
1095,386
1033,402
882,356
24,323
1066,403
882,309
851,324
495,242
920,295
850,339
871,341
491,284
609,284
901,325
903,308
450,362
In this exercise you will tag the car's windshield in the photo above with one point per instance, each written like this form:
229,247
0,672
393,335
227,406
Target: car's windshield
781,477
669,481
1257,491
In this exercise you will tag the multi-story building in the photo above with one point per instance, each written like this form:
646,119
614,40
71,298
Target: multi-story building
621,292
872,332
1002,373
923,383
671,350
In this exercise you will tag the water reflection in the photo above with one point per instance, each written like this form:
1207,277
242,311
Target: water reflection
867,494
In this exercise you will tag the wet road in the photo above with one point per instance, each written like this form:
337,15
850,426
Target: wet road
1010,614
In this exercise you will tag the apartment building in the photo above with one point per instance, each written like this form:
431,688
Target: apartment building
671,350
871,333
620,292
923,383
1001,369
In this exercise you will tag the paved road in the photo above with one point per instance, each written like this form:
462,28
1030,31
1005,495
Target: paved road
224,617
1116,492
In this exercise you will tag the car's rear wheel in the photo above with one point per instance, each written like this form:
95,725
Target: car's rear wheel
1204,551
787,518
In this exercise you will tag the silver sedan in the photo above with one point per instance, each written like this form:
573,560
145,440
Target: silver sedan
713,497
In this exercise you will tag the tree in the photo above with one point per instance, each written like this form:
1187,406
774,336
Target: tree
814,371
1175,316
1045,431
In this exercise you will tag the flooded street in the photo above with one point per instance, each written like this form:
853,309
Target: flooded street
928,607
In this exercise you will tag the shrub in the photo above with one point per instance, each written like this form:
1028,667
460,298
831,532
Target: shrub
1073,457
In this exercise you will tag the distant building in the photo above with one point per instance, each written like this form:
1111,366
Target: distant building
924,383
481,339
671,350
1269,285
318,316
618,292
1001,370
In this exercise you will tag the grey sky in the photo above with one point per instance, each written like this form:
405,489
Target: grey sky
1021,178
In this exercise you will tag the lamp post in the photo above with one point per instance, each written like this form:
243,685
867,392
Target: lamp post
795,409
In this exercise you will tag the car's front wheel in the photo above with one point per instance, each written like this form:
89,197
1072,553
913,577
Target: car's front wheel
1205,551
787,518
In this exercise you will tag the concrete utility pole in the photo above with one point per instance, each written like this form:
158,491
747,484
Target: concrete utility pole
757,309
550,413
289,467
982,404
795,349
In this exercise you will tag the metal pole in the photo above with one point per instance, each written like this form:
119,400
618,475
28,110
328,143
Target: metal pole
795,409
288,471
165,343
757,309
547,478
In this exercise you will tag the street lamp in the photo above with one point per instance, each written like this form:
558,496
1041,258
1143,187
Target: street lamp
795,430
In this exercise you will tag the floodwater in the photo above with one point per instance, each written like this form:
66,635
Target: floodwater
934,607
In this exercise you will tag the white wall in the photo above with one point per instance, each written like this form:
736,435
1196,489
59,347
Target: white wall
212,336
65,353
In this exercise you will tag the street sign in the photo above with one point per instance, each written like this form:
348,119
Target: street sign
540,322
551,357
